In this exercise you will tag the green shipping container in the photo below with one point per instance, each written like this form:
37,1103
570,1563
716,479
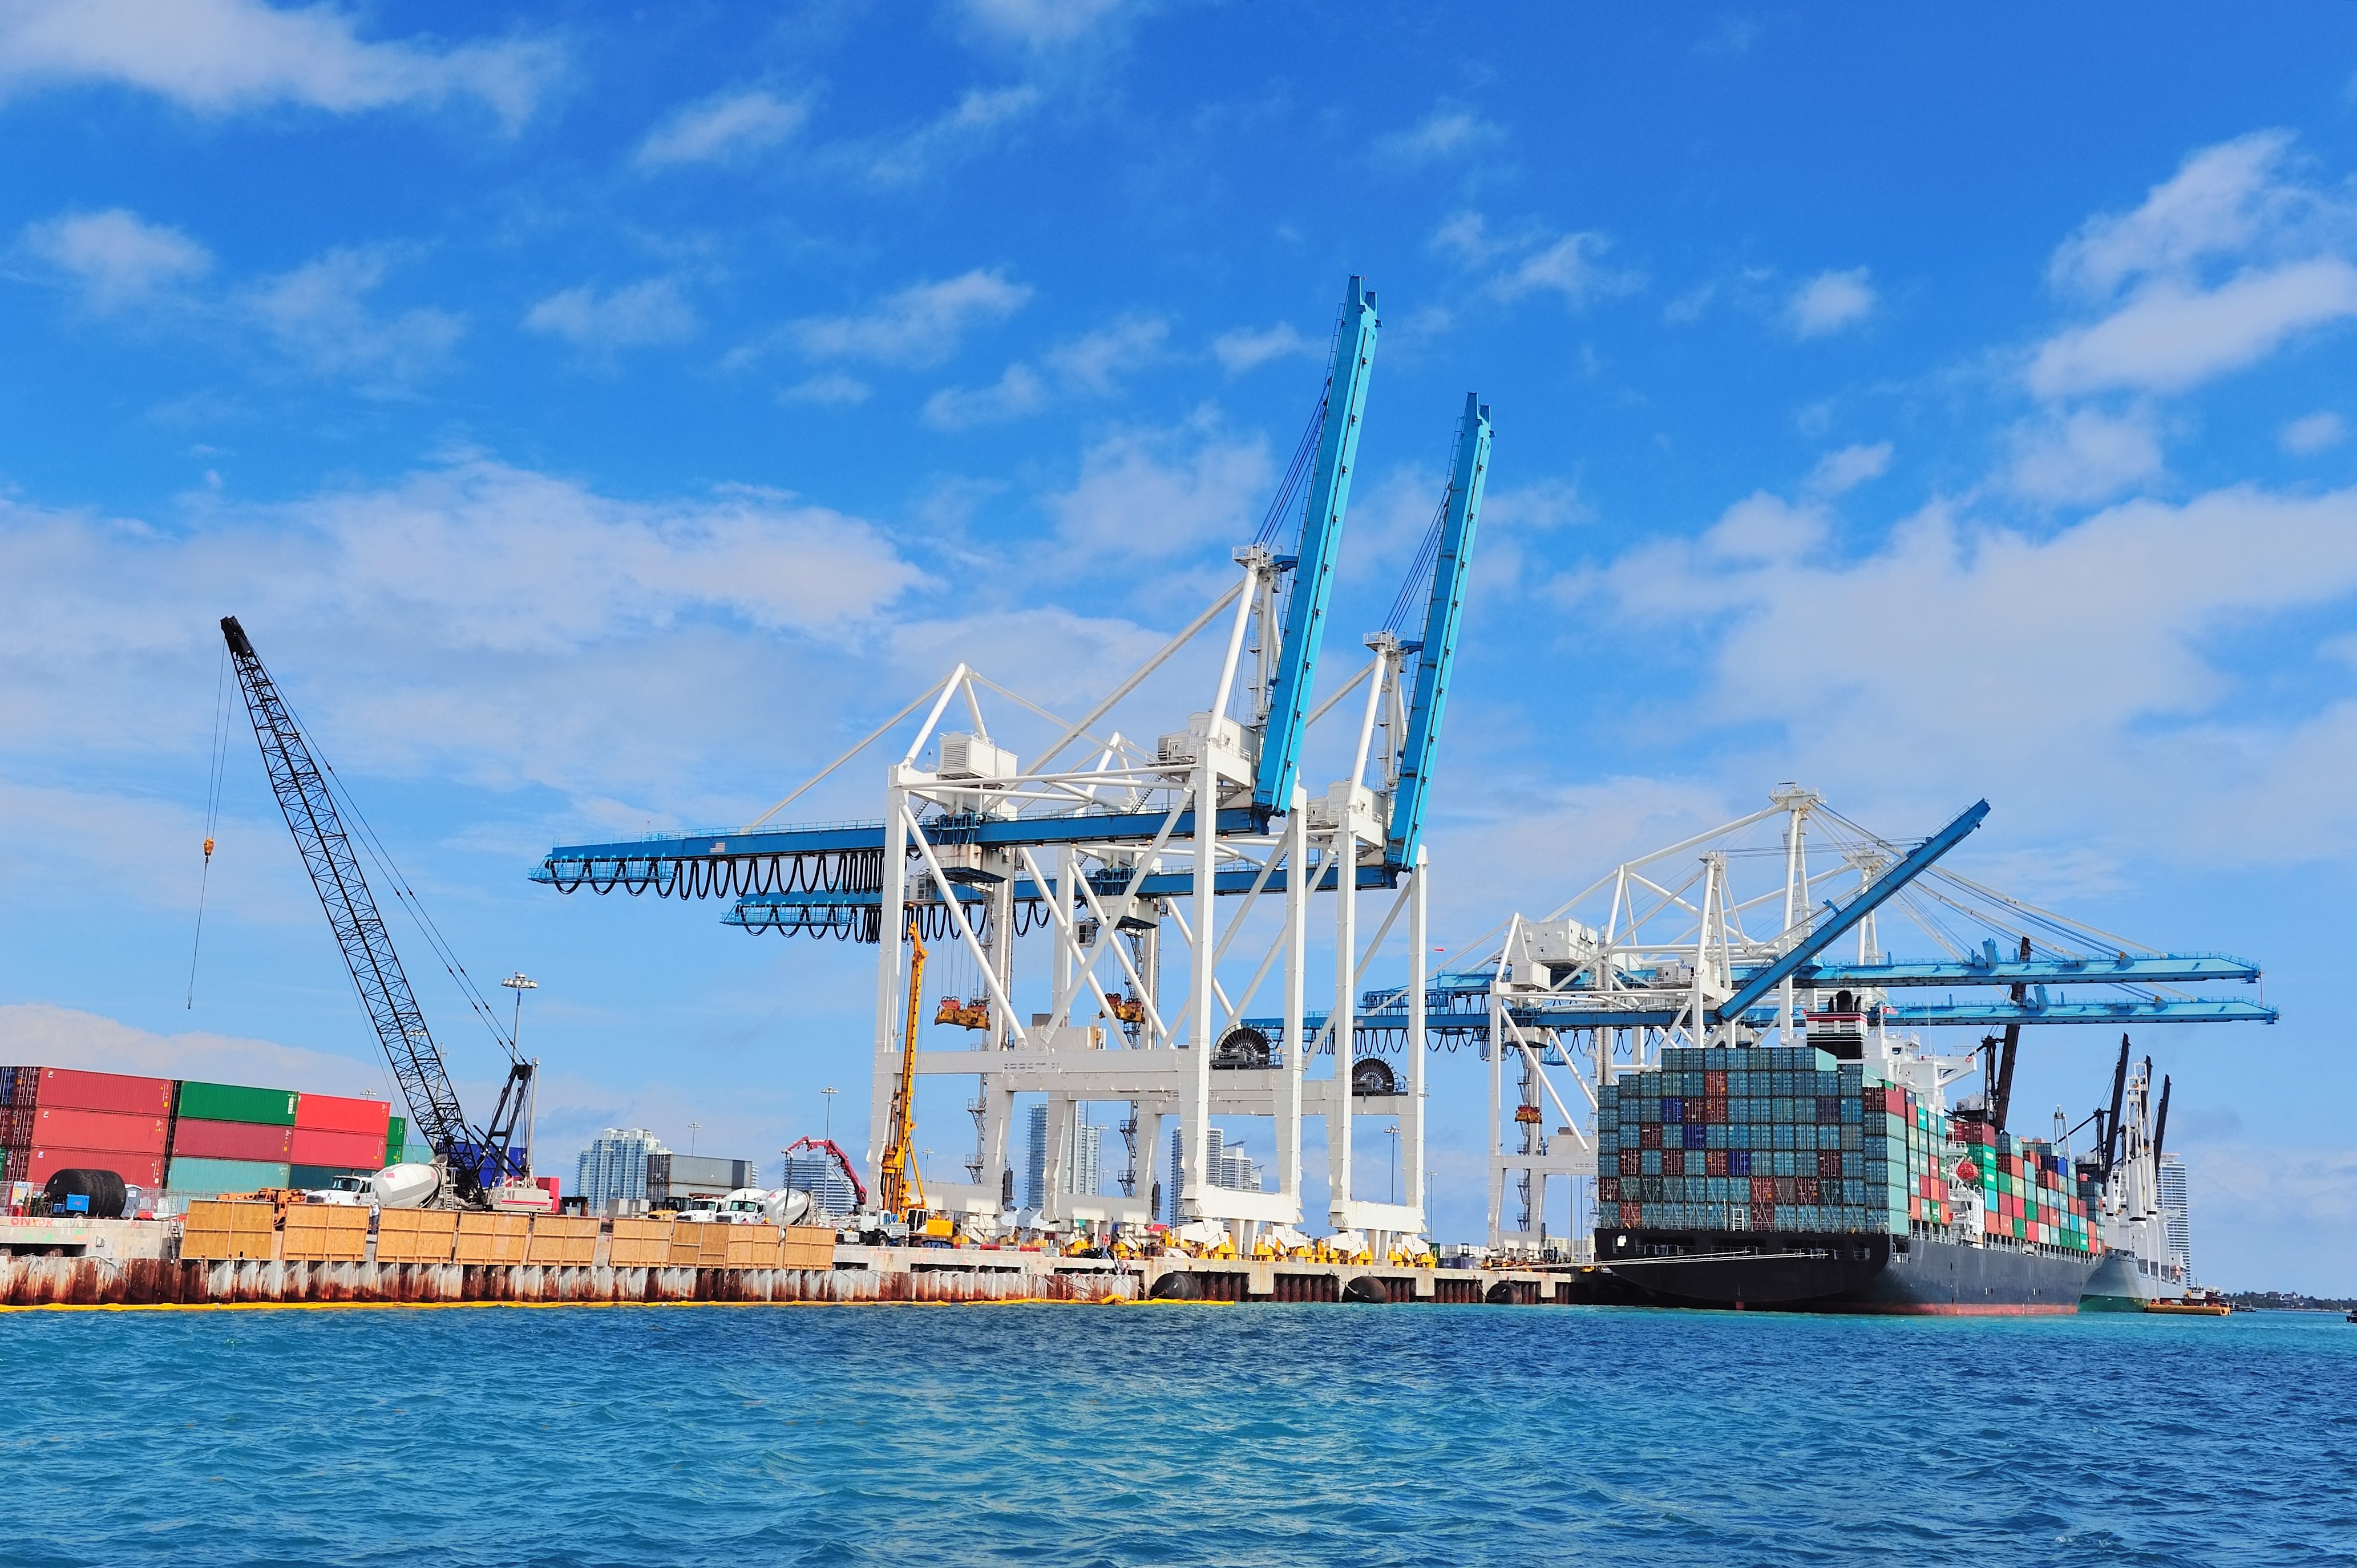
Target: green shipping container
396,1134
231,1102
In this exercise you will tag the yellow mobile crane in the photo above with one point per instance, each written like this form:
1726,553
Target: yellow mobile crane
900,1186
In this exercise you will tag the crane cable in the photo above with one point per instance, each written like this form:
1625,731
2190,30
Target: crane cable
218,760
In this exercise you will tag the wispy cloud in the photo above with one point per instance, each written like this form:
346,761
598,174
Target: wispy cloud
1829,302
1046,26
2169,336
971,127
2220,202
630,317
115,257
1447,131
2314,433
1245,350
832,389
1095,361
2082,456
921,325
1838,473
1151,493
320,315
1528,260
1018,392
725,126
218,56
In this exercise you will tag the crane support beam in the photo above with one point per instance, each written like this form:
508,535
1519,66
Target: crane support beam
1436,660
2164,969
1155,885
1321,540
1846,917
1461,1023
661,859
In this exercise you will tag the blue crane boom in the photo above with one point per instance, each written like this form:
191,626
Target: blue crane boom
1845,919
1321,540
1436,653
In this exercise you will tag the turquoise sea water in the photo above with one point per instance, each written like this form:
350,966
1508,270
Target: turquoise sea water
1236,1434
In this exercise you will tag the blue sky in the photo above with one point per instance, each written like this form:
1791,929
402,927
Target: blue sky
597,420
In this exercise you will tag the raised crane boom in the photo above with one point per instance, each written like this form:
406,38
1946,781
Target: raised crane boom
1436,654
1321,541
326,851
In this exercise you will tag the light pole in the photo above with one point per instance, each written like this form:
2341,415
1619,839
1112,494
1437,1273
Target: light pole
693,1128
519,984
1391,1165
830,1091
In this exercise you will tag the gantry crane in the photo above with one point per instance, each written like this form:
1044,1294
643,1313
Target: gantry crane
471,1157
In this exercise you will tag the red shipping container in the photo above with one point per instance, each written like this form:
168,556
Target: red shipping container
311,1147
99,1130
332,1113
551,1184
201,1140
69,1090
139,1170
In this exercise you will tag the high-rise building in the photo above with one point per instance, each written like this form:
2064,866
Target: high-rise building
2173,1214
813,1171
613,1168
1227,1165
1083,1159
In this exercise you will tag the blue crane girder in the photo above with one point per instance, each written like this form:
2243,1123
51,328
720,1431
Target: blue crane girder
1864,902
1321,540
2161,969
1436,658
1155,884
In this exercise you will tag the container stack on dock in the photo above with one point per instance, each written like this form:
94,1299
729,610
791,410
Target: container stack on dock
191,1138
231,1138
55,1119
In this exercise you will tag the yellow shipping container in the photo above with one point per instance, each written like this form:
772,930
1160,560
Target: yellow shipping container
807,1247
326,1233
216,1230
492,1238
563,1241
640,1244
752,1246
415,1235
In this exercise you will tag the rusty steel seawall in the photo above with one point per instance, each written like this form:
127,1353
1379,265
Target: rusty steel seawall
28,1281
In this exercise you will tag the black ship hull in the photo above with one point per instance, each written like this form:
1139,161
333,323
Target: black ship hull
1794,1272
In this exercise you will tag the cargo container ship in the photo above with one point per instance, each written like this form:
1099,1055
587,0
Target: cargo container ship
1808,1178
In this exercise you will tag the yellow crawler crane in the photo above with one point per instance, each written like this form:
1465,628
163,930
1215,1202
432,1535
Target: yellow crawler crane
900,1186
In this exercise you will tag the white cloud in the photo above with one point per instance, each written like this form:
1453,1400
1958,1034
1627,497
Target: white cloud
318,316
1042,25
1448,130
1018,392
1838,473
2169,336
2218,203
1157,495
1764,527
2314,433
217,56
831,389
721,127
1567,267
1245,350
2082,456
1829,302
61,1037
1095,361
1540,504
1467,236
2151,746
114,256
920,324
972,126
639,313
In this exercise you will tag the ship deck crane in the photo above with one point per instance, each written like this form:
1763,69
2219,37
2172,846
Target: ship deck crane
467,1154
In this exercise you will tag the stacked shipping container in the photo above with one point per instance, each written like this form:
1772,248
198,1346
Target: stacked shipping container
193,1137
1786,1138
